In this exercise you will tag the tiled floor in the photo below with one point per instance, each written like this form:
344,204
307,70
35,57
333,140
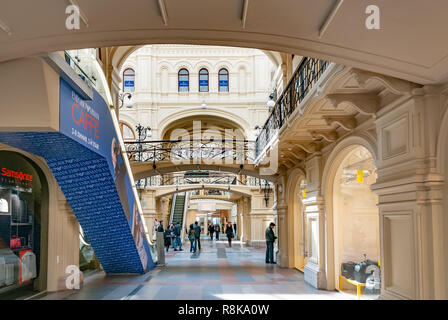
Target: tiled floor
217,272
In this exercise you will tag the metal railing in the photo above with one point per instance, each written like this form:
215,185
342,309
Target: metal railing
237,151
304,78
76,67
217,179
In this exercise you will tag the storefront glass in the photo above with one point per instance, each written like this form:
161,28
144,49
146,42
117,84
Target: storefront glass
20,216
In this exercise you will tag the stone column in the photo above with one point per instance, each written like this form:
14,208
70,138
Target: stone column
410,199
165,210
315,224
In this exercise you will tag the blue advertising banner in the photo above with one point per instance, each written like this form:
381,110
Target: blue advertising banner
223,83
203,83
90,124
183,83
129,83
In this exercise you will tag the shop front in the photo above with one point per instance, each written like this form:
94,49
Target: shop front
22,196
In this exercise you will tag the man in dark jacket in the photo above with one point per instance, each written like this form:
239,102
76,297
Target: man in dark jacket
270,238
229,233
217,230
160,227
211,229
197,234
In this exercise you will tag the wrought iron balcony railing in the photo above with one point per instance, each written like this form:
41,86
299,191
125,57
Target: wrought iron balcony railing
181,151
304,78
217,179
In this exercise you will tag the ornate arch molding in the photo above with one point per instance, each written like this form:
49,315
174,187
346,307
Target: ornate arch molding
223,65
202,64
210,111
341,150
294,177
183,65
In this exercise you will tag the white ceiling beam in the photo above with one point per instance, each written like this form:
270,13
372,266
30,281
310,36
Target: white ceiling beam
244,13
330,18
5,28
163,11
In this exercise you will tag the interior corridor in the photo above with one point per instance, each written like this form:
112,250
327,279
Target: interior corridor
217,272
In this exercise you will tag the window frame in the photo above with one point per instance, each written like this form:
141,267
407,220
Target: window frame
178,80
123,124
124,71
228,80
208,80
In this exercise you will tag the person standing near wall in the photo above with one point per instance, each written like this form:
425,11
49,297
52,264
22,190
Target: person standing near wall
229,233
270,238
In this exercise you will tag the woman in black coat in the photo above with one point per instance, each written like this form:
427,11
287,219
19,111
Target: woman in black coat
229,233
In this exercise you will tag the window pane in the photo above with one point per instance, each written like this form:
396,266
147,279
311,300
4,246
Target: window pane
127,132
183,81
223,79
203,80
129,80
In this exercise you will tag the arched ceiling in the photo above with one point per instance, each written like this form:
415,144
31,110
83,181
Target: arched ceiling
207,123
409,45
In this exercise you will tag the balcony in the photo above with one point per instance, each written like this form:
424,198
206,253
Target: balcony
304,78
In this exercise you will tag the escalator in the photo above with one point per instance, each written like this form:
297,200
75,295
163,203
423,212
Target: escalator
178,210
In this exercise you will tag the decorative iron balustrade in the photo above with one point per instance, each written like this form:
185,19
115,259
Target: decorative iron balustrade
185,151
157,181
304,78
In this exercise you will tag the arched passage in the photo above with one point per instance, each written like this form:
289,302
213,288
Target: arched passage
296,230
352,216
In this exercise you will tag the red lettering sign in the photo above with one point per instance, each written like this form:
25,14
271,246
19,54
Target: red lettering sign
85,120
17,175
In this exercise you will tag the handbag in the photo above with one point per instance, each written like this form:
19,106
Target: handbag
15,242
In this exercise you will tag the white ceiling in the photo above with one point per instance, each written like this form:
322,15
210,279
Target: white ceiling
411,43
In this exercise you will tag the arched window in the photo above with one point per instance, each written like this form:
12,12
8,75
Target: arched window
223,79
183,80
203,80
127,132
128,80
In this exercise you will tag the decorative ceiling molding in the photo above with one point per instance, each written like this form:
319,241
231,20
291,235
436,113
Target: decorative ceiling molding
396,86
364,103
347,122
163,12
329,136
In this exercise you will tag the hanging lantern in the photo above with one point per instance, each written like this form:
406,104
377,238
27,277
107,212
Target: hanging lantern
360,176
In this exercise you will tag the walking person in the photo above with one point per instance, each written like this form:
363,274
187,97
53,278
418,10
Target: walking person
229,233
192,237
197,235
168,235
211,229
270,239
177,240
217,231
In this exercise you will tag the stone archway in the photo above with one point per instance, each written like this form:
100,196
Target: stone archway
332,168
296,226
